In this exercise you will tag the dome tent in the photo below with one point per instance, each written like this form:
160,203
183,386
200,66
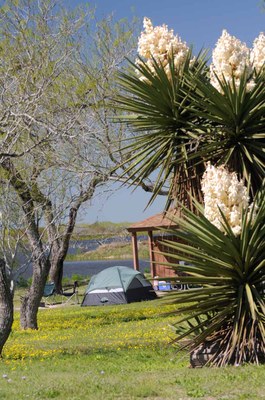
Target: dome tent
118,285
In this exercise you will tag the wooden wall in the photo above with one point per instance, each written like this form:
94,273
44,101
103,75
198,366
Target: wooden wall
159,269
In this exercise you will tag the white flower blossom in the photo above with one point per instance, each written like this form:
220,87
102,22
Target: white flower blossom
159,44
230,60
257,55
223,191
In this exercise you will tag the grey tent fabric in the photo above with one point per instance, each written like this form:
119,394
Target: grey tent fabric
118,285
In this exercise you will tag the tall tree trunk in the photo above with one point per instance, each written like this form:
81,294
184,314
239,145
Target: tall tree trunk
6,306
60,249
41,263
31,301
56,273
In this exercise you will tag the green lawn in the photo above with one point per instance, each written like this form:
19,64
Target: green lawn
109,352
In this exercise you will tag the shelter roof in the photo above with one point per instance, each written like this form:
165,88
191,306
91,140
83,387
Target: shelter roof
155,222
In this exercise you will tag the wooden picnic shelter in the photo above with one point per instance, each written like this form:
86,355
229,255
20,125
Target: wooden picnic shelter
154,226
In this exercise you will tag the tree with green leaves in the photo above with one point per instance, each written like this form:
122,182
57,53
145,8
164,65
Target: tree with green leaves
57,73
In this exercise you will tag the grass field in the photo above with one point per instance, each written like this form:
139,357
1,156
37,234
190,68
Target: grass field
113,352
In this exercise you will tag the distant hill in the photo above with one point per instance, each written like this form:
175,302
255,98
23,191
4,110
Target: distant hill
100,230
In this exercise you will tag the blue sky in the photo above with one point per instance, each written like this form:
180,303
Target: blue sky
198,22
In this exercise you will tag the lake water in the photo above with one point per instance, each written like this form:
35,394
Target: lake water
89,268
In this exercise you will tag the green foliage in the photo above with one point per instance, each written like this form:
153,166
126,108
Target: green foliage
233,125
228,308
182,121
159,107
57,74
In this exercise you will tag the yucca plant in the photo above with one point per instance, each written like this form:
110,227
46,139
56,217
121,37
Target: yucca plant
158,109
182,121
233,124
225,305
186,115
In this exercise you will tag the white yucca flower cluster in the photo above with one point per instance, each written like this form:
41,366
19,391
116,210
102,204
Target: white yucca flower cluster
257,55
232,58
223,191
159,44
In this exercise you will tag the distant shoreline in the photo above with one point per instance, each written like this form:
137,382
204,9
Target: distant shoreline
88,268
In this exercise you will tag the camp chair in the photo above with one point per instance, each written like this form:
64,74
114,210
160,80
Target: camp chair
48,293
71,295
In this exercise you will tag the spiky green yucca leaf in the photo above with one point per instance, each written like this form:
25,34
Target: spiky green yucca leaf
227,304
182,121
158,112
236,119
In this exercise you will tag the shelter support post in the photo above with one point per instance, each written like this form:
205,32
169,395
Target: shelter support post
135,251
151,252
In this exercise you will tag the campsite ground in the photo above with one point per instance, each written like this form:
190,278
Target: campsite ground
113,352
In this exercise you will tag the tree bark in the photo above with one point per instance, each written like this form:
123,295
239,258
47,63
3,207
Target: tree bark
6,306
56,272
31,301
41,263
60,249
